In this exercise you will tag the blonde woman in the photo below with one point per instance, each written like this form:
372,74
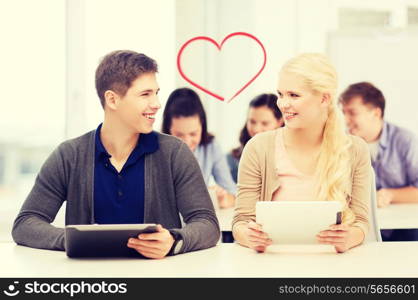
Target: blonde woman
312,157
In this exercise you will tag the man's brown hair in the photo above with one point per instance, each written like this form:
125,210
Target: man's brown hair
368,93
119,69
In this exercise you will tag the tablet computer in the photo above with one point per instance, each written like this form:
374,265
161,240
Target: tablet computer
107,240
297,222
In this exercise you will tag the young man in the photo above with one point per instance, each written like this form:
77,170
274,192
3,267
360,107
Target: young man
394,150
123,172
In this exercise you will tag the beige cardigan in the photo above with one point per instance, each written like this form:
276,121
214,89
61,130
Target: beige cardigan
257,179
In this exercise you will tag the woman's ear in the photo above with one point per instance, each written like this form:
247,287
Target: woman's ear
326,99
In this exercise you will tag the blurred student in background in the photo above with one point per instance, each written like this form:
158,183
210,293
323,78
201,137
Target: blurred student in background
263,115
185,118
394,150
311,158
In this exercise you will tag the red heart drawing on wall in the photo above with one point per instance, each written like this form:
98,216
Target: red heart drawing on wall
208,39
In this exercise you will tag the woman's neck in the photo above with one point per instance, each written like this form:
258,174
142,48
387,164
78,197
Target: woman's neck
304,138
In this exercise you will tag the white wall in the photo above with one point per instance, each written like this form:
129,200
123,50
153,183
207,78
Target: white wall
32,71
386,60
144,26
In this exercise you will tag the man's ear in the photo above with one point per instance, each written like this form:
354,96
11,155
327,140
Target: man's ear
111,99
377,112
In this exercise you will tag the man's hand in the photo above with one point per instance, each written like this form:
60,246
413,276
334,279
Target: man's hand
384,197
153,245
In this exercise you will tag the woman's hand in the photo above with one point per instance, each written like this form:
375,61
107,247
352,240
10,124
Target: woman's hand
252,236
342,237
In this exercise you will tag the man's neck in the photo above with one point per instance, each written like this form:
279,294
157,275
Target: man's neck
117,139
375,134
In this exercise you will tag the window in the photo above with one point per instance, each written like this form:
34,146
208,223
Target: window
412,16
349,18
33,96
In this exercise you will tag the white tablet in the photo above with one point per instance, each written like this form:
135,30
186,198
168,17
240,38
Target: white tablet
107,240
297,222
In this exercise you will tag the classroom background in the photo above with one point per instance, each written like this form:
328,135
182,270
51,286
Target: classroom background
51,48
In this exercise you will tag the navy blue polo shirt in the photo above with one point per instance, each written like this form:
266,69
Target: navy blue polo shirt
119,197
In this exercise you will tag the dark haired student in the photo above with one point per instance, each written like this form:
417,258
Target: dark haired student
263,115
123,172
185,118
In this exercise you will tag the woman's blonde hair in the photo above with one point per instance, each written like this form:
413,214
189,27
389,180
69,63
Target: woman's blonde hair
334,167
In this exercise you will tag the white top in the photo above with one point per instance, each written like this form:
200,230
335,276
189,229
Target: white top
224,260
374,149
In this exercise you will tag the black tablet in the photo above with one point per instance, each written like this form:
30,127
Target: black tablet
107,240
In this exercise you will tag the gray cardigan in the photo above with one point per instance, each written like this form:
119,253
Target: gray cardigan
173,184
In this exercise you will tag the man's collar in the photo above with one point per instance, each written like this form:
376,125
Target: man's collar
384,137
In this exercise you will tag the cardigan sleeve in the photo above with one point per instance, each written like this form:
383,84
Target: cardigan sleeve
249,183
201,230
361,185
32,225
